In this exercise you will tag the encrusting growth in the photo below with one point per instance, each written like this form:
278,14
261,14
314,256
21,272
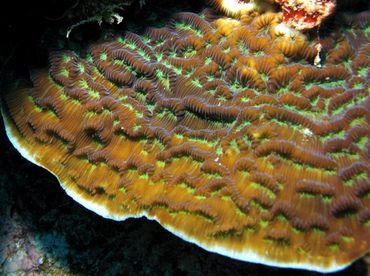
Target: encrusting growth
306,14
299,14
224,131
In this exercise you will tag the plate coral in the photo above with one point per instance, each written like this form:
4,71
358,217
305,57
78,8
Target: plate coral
239,136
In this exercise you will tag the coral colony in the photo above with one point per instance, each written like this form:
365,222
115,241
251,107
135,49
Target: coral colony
239,136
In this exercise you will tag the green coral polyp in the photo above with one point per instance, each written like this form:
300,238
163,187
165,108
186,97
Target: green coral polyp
196,82
167,114
259,53
103,55
64,72
188,52
188,27
159,55
266,190
200,140
334,247
143,54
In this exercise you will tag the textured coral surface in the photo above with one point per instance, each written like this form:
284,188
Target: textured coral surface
222,130
66,239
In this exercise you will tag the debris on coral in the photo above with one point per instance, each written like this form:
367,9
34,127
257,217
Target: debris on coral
306,14
299,14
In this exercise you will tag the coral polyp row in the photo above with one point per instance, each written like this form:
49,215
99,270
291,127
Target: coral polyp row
227,132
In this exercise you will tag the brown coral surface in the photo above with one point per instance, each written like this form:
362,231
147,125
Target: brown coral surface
222,130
